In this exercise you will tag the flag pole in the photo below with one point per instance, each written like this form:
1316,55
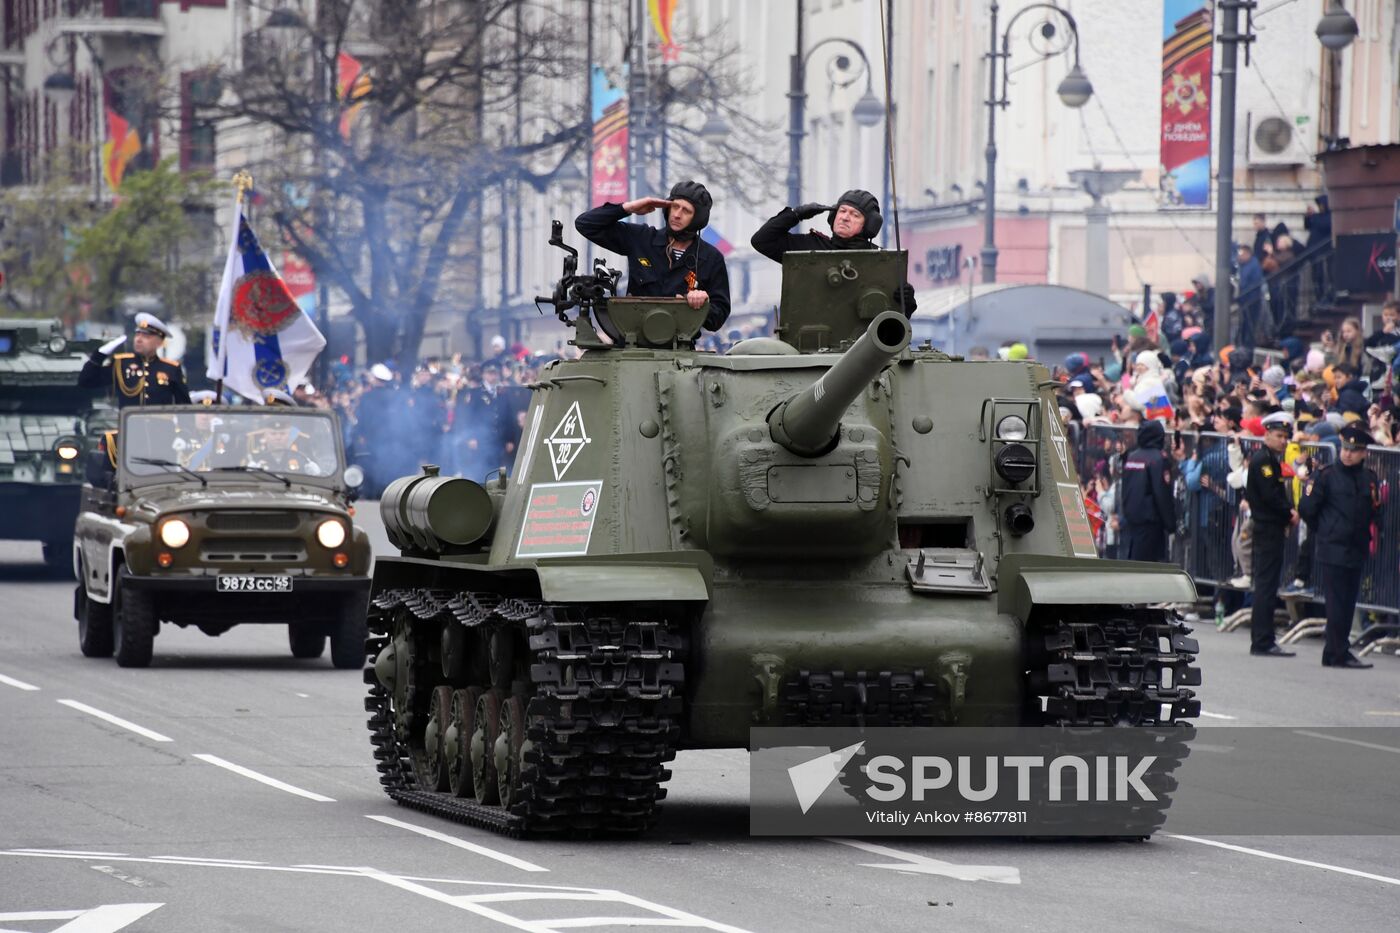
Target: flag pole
242,183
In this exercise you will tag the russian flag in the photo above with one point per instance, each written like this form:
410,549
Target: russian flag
263,340
713,237
1152,395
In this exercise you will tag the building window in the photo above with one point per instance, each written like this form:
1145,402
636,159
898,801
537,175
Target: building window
199,90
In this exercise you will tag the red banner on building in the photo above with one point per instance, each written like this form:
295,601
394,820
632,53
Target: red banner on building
1187,44
608,174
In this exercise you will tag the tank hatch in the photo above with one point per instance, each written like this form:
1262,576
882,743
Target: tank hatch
830,297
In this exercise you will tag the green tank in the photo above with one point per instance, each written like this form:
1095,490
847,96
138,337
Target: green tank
45,422
829,527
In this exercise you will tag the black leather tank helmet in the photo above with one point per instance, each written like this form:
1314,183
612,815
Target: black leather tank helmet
867,204
700,199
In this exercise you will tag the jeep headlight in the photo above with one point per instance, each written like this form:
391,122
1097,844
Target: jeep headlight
1011,428
331,533
67,450
174,533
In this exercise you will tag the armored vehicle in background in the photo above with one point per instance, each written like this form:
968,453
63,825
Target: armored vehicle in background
216,516
829,527
44,434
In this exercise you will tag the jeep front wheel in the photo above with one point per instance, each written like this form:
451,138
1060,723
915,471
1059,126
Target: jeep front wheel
94,624
134,625
307,640
348,636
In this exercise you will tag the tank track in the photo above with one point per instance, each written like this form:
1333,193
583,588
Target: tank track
603,705
1106,667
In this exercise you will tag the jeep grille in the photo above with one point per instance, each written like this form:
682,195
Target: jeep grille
253,549
253,521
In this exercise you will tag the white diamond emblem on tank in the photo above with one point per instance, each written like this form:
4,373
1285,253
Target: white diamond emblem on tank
567,441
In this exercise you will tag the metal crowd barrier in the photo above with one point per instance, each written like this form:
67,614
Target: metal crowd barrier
1203,542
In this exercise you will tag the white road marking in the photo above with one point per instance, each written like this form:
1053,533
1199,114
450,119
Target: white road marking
1209,715
18,684
304,695
1357,742
116,721
105,919
263,778
1286,858
459,843
1383,712
922,864
79,852
502,891
214,861
666,916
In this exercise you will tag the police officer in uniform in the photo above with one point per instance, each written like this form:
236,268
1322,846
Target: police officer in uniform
1341,501
673,261
143,377
1148,512
1273,513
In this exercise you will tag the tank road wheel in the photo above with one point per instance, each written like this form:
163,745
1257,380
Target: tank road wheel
511,745
432,772
483,746
307,641
134,625
456,742
348,636
94,624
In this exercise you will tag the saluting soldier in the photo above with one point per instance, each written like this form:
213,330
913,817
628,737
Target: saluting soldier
1273,513
1341,500
143,377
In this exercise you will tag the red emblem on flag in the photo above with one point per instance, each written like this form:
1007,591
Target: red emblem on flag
262,304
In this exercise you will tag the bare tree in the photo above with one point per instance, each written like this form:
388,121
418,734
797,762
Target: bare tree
380,188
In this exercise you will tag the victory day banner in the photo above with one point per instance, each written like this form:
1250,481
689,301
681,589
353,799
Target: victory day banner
608,174
1187,44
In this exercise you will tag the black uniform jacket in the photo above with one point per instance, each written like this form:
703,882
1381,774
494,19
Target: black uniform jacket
1147,494
1265,491
773,240
138,381
1341,502
649,269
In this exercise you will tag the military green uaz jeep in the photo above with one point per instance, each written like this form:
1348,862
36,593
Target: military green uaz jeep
214,516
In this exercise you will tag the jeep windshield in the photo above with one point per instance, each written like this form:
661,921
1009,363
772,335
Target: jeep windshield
283,442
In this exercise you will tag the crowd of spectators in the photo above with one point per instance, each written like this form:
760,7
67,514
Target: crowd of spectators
462,415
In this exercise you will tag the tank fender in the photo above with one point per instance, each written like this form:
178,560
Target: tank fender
668,576
685,576
1025,581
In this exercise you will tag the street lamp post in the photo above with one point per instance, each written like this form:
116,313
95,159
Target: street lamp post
1335,31
867,112
1074,92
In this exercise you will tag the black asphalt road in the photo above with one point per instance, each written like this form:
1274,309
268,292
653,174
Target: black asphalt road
149,823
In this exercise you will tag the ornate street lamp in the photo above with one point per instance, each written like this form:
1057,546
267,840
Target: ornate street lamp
1074,92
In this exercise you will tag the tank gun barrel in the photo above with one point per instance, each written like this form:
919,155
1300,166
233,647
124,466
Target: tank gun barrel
808,422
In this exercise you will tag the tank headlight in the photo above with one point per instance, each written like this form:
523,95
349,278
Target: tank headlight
57,344
330,533
174,533
1015,463
67,451
1011,428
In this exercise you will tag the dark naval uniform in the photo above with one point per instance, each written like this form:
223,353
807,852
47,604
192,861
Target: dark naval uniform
1148,511
1272,512
138,381
1342,501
